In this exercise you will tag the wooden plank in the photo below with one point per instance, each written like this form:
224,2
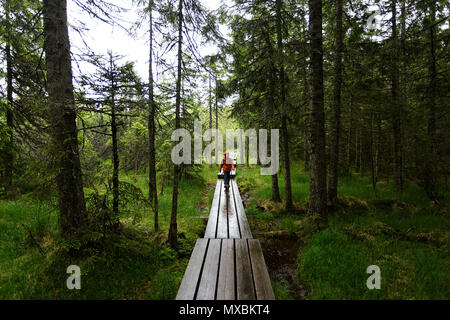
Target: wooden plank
192,273
210,231
263,285
233,225
222,225
208,280
244,279
240,211
225,285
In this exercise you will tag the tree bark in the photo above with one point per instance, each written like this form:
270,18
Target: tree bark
152,187
72,205
275,188
336,113
173,236
317,188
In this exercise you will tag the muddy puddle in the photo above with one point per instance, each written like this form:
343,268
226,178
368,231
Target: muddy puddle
281,259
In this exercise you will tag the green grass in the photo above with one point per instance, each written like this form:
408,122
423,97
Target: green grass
334,267
20,260
122,267
191,200
281,291
133,265
403,234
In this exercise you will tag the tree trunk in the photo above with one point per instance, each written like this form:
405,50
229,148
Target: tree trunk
318,182
115,152
152,187
216,104
373,151
349,138
272,83
403,83
305,130
275,188
377,146
9,154
336,113
396,108
431,160
361,164
173,236
210,101
258,160
357,148
247,150
72,205
217,118
284,126
210,110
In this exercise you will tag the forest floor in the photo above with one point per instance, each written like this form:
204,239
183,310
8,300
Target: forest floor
405,235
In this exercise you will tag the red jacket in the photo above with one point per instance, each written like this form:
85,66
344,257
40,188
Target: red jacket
227,164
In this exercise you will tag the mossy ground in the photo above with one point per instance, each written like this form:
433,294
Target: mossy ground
405,235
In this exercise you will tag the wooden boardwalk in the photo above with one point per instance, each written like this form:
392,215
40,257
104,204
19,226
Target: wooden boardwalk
227,264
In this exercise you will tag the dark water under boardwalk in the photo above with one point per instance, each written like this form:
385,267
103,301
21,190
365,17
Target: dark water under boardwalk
281,257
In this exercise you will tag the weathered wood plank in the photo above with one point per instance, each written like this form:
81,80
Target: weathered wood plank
222,226
192,273
225,285
211,227
227,264
263,285
244,279
208,279
240,211
233,225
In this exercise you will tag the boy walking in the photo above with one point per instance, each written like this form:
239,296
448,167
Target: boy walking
227,165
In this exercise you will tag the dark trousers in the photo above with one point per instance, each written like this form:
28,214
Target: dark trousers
226,178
